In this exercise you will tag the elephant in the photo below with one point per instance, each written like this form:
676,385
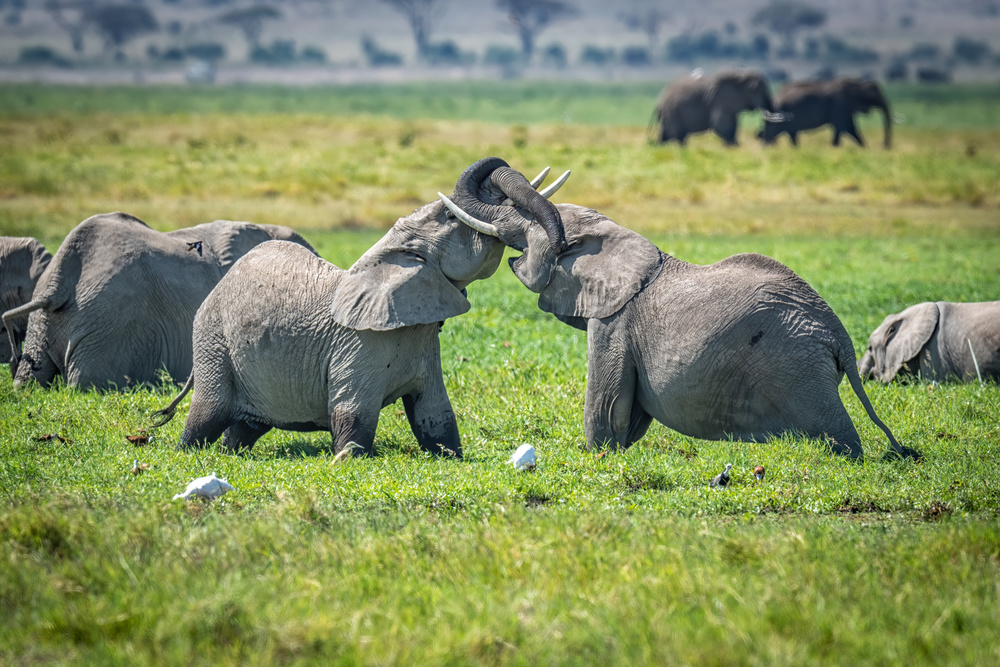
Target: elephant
22,261
936,341
116,304
806,105
696,103
290,341
742,349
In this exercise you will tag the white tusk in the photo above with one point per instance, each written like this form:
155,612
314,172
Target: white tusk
898,118
551,190
478,225
541,177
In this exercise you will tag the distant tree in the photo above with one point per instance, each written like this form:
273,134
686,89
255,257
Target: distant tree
70,15
250,21
421,15
120,24
647,17
530,17
787,18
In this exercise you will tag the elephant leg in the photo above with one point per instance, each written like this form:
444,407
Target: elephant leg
724,125
354,421
852,130
205,422
612,414
794,138
433,422
241,436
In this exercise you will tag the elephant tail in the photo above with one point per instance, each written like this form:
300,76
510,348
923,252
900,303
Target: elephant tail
8,323
167,413
849,365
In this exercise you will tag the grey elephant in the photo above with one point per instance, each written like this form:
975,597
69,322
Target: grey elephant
22,262
698,103
289,341
116,304
936,341
810,104
741,349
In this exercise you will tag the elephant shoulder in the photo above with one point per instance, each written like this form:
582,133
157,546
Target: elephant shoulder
752,261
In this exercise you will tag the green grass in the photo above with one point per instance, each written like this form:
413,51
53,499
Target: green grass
406,558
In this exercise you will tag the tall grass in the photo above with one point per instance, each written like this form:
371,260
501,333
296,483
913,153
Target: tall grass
407,558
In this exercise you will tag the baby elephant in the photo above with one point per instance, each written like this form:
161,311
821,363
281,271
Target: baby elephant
936,341
742,349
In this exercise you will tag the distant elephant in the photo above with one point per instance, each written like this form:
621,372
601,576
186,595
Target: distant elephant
807,105
936,341
741,349
289,341
116,304
22,261
695,104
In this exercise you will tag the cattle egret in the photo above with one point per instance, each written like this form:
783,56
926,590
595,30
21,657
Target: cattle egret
210,487
524,457
722,479
758,472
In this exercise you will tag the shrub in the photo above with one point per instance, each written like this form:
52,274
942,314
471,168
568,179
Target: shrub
554,55
313,54
281,52
840,51
376,57
42,55
504,56
933,75
925,51
898,70
173,54
595,55
636,56
211,51
760,47
447,53
971,51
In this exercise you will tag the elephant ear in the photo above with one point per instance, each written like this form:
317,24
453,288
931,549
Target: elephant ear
228,241
906,335
396,288
604,266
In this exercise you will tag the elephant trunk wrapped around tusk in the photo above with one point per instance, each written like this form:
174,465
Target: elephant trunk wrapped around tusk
514,186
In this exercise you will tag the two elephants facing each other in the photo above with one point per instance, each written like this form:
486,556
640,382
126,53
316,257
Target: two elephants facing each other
741,349
936,341
807,105
287,340
22,262
697,103
115,306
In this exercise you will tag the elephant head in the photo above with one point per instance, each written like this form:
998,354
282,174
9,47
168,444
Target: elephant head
861,96
601,267
22,262
417,273
742,90
898,341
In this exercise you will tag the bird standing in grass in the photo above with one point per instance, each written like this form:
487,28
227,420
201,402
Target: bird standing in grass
758,472
722,479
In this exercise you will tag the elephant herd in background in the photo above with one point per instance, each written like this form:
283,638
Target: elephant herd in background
269,335
699,103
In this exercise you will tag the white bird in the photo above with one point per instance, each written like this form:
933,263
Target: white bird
524,458
722,478
210,487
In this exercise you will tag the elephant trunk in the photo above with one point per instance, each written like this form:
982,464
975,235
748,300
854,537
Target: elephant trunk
483,187
887,123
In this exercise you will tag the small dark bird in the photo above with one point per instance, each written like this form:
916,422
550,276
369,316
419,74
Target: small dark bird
722,479
758,472
195,246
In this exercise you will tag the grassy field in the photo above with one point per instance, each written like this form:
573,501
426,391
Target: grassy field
406,558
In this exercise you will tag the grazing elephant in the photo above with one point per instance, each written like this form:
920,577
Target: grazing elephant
742,349
807,105
695,104
22,261
289,341
936,341
116,304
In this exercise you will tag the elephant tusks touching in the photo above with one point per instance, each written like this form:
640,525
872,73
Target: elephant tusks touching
551,190
475,223
537,180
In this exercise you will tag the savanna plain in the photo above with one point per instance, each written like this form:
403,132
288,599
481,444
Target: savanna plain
406,558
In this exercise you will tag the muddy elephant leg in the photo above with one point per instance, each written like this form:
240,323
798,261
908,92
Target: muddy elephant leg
37,366
242,435
205,422
433,421
355,420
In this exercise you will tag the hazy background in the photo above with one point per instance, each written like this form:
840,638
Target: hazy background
318,41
